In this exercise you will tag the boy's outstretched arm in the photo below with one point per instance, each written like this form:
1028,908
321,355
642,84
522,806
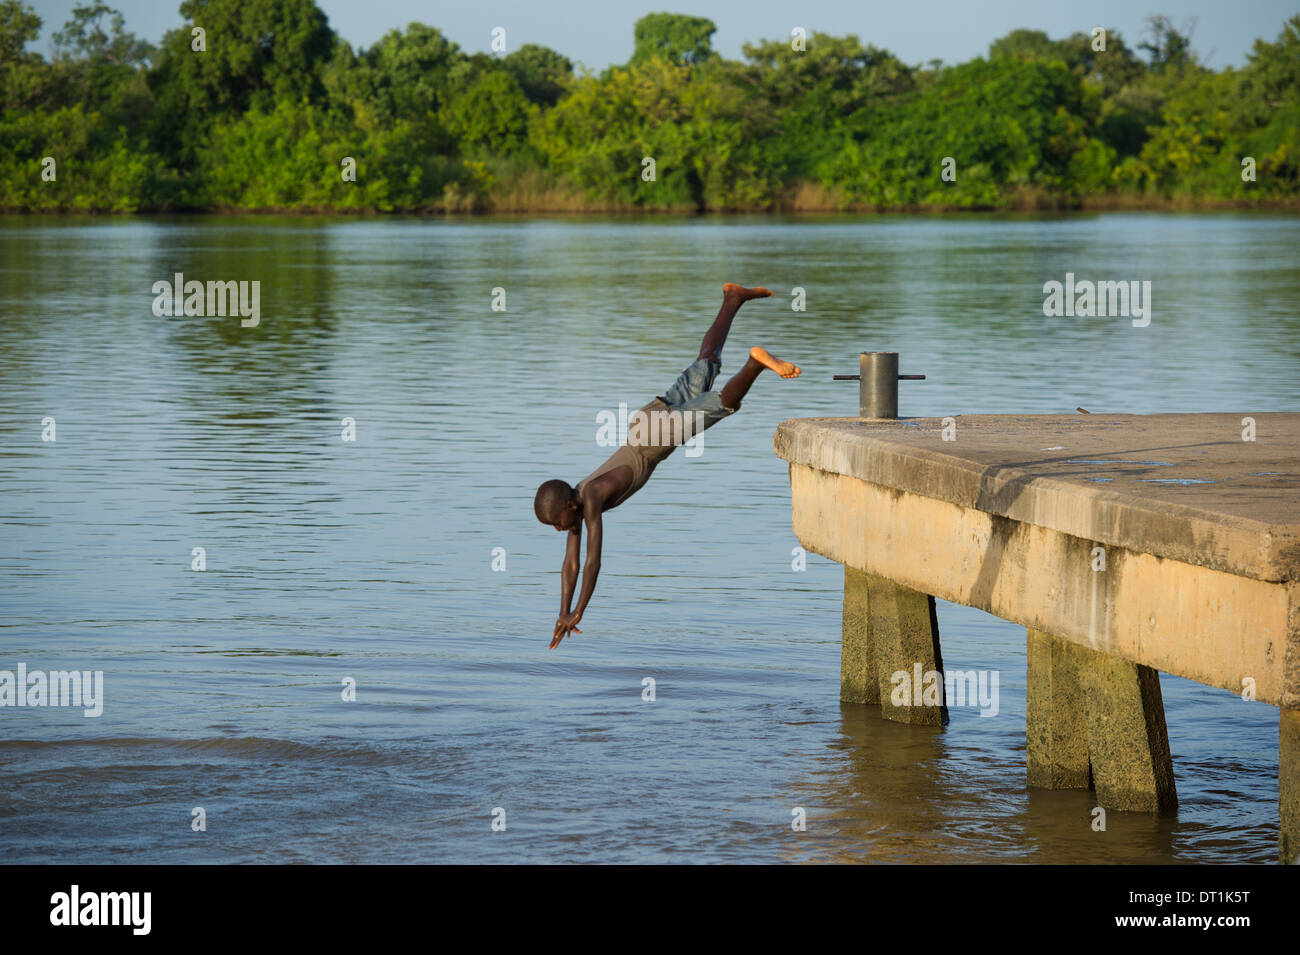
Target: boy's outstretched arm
568,622
569,569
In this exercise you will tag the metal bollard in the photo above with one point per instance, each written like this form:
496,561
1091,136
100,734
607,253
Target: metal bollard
878,384
878,380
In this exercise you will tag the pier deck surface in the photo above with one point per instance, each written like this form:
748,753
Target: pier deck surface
1180,486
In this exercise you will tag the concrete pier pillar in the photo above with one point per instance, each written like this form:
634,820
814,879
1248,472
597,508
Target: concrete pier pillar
888,630
1128,743
1288,787
1077,694
1056,731
858,680
909,663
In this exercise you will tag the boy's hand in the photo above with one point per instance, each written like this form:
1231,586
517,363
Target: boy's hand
565,623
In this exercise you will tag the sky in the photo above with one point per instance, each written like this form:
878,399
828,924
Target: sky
596,33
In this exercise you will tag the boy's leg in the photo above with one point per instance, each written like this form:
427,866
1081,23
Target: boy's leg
759,358
707,409
698,377
733,296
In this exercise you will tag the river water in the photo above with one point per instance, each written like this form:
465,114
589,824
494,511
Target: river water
407,562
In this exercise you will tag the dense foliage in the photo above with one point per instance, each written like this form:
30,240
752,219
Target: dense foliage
257,104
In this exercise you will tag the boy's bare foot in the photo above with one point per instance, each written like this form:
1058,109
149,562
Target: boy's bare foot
764,357
731,289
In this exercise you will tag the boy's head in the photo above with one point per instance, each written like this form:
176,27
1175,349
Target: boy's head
557,504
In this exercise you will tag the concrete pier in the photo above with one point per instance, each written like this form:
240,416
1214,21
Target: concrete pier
1125,544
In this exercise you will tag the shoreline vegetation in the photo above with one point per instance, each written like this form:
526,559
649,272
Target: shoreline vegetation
258,107
541,208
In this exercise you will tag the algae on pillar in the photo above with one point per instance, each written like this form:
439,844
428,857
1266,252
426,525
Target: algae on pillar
906,633
1056,732
1092,717
858,683
1288,786
889,630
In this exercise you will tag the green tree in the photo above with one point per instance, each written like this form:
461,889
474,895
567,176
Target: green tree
838,74
541,73
101,67
1024,45
1211,122
491,116
19,25
406,74
1111,68
1010,125
600,133
85,38
676,37
1167,46
1273,76
23,75
257,52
